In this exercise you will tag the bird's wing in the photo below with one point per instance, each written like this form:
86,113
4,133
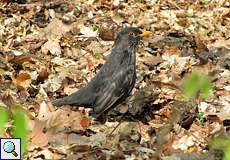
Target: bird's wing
118,87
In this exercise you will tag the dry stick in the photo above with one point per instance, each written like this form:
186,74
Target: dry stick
116,126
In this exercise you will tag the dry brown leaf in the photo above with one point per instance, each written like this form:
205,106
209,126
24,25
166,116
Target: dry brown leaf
73,120
63,138
43,74
90,65
56,29
221,43
96,48
69,89
40,136
222,92
93,62
173,50
144,131
23,80
58,118
106,34
153,60
85,122
62,118
19,59
52,46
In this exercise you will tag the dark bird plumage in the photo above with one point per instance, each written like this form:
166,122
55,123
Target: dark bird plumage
115,80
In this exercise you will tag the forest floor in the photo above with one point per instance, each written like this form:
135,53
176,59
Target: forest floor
179,107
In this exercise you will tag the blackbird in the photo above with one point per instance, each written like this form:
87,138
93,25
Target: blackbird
114,81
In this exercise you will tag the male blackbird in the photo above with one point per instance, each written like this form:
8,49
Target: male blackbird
115,80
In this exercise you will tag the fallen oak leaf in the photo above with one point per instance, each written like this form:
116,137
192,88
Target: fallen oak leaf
40,135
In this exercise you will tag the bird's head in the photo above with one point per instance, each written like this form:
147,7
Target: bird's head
131,36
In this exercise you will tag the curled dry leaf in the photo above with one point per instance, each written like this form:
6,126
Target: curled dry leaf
45,111
106,34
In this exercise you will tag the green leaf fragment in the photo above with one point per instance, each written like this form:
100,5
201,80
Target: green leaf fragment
3,118
98,55
201,117
95,27
20,127
78,8
222,143
189,12
197,84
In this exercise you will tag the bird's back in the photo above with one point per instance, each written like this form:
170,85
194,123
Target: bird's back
114,85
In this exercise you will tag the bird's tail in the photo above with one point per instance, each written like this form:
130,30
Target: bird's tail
81,97
64,101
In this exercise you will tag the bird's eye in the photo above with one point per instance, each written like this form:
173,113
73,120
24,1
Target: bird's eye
132,34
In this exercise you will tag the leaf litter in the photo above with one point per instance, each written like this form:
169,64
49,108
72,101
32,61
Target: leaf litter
51,49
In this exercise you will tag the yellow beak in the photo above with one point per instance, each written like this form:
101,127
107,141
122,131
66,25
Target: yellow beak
145,34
